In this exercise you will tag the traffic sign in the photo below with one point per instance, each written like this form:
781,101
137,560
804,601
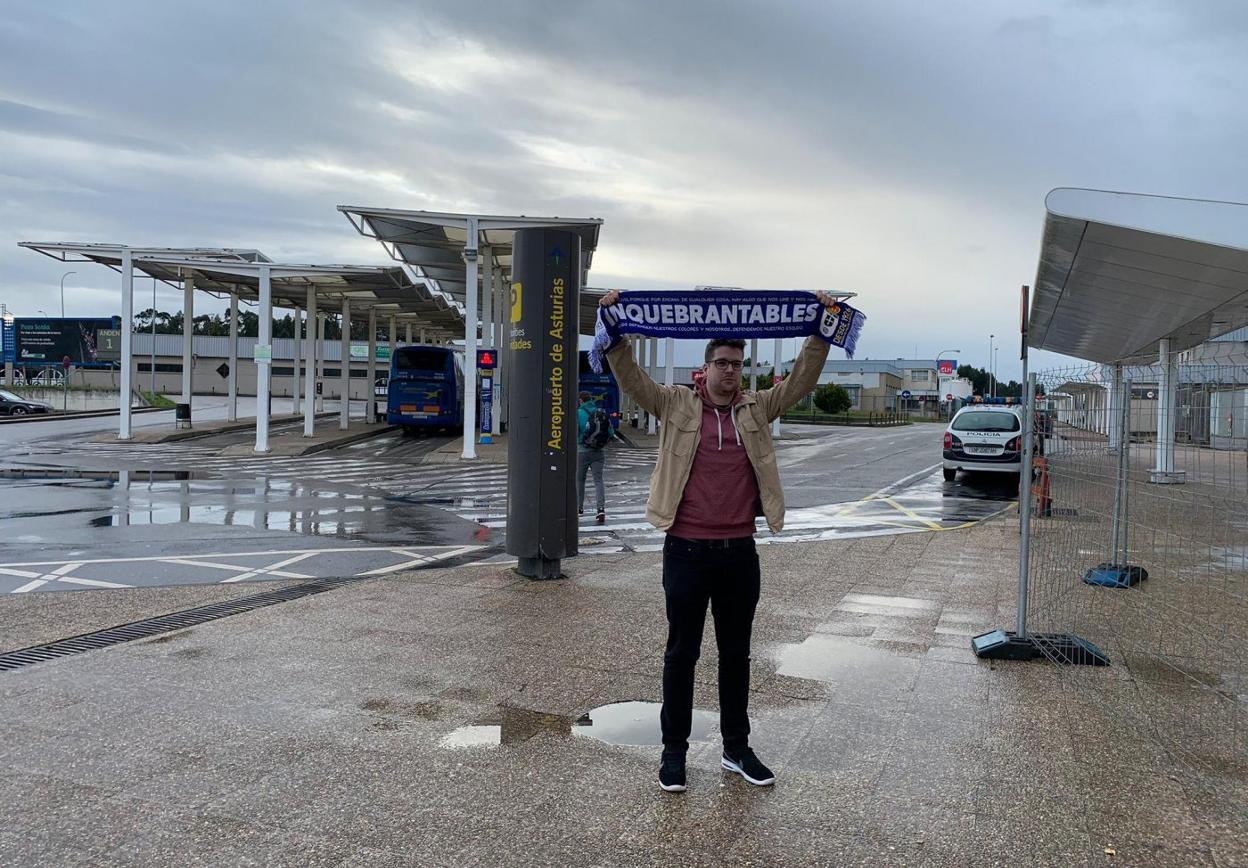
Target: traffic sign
949,397
906,394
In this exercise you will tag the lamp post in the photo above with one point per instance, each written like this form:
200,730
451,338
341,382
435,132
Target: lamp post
63,276
992,383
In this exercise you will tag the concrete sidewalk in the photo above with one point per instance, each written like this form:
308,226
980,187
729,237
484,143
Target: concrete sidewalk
439,718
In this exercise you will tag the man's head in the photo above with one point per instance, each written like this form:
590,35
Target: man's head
584,397
724,358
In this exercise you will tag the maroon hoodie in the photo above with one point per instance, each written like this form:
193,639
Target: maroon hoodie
721,498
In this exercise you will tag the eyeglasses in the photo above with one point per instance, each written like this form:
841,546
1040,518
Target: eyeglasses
728,364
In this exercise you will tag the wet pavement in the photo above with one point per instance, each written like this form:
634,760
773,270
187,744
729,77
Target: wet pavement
68,529
439,717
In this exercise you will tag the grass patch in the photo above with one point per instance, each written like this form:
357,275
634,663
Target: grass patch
155,399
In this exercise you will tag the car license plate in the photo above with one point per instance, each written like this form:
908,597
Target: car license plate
983,450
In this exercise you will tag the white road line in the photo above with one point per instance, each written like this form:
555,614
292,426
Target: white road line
7,568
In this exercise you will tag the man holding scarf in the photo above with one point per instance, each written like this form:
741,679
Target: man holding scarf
716,471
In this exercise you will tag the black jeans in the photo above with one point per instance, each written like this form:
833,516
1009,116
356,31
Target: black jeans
728,578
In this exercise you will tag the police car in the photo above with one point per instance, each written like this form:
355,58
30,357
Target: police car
985,436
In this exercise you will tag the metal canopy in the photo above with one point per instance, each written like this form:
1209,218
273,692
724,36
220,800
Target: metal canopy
434,242
1119,272
388,289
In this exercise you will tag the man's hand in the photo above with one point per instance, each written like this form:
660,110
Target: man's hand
612,296
826,299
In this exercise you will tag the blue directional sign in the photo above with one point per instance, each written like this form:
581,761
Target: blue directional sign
906,394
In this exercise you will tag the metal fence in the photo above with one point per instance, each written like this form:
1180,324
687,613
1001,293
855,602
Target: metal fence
1138,543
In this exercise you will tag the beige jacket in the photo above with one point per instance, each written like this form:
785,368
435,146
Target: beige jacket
680,409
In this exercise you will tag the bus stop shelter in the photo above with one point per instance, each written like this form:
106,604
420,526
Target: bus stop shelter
388,292
1130,279
469,258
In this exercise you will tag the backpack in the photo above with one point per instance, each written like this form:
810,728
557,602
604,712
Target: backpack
597,429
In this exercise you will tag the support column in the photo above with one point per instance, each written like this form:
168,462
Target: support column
188,330
754,364
487,297
127,348
297,361
231,379
1114,410
775,372
370,406
264,367
408,334
470,341
309,386
344,412
669,362
1167,392
501,344
320,361
652,364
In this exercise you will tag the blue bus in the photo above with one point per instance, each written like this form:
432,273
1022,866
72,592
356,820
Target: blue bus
426,389
601,387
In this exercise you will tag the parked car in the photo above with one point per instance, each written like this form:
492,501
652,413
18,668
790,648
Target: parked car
15,405
984,437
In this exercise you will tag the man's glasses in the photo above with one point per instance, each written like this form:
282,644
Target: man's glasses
728,364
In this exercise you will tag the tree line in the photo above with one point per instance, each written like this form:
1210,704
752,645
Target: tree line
217,325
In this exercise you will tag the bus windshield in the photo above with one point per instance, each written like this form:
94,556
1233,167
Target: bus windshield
418,360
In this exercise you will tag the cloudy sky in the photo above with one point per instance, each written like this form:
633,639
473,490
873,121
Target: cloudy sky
901,150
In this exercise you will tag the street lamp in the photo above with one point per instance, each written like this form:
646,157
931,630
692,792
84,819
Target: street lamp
63,276
992,380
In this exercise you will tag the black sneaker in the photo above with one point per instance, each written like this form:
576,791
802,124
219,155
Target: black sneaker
602,516
672,774
749,767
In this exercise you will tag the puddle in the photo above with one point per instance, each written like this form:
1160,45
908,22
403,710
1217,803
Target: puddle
65,500
620,723
507,725
473,736
838,660
637,723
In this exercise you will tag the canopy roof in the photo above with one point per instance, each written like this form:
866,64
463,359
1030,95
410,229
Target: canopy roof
1118,272
388,289
433,242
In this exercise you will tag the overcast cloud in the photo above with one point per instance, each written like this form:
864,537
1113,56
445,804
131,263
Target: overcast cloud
901,150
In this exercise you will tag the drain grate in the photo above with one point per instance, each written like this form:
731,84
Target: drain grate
165,623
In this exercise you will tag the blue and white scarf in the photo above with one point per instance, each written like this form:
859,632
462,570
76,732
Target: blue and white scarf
718,313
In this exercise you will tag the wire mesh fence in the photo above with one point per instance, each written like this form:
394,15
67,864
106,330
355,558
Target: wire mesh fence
1139,543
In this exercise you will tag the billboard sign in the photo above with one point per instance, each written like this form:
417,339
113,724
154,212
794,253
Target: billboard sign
49,340
947,367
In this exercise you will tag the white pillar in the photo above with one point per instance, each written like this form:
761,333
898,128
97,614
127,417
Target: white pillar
1113,424
372,366
470,341
407,334
231,379
1167,390
754,363
669,362
775,371
320,361
501,342
296,361
264,367
188,328
652,367
127,350
391,334
487,297
344,412
309,386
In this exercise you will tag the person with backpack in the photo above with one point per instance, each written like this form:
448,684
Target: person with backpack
593,433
